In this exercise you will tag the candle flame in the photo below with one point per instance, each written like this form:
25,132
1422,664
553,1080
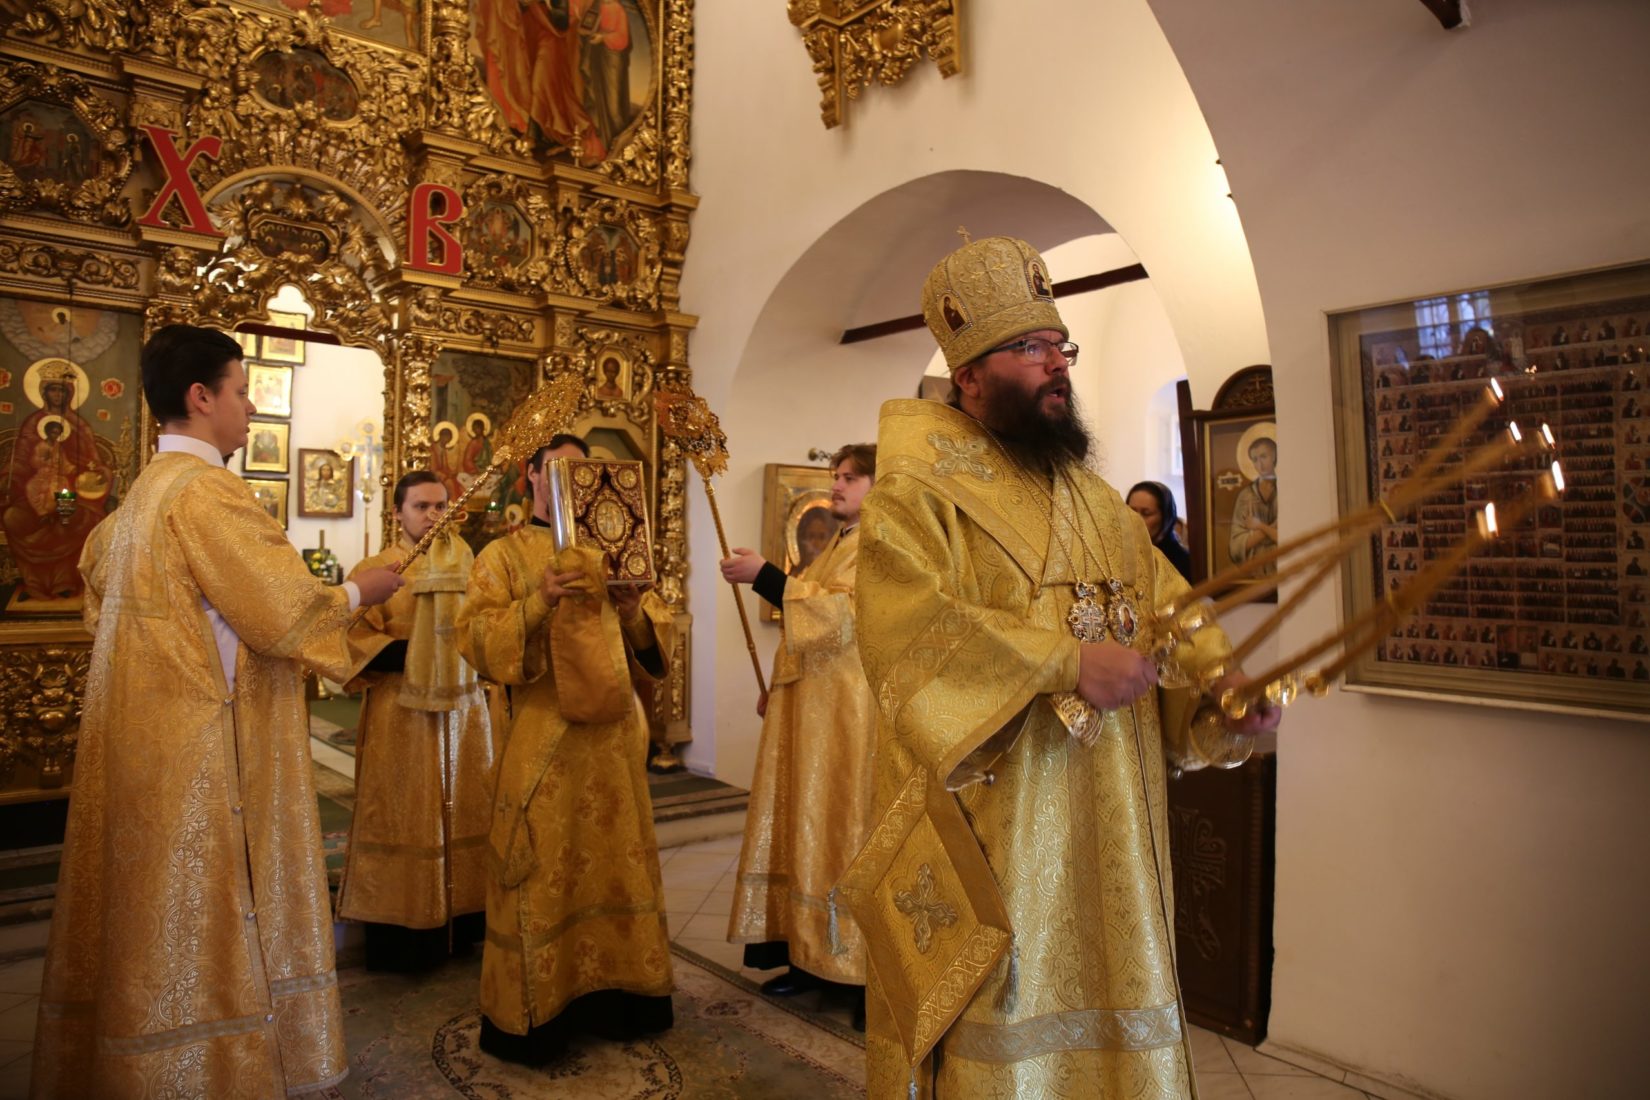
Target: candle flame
1489,520
1518,436
1495,391
1558,476
1547,435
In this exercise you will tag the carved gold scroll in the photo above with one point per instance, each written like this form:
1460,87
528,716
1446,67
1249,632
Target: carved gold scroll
856,43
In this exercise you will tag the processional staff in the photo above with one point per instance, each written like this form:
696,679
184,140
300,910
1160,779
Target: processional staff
686,418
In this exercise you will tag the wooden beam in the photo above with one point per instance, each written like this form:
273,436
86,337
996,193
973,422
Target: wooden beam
1451,13
309,336
1104,279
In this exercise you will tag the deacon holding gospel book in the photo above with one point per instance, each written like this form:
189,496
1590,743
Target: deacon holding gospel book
576,939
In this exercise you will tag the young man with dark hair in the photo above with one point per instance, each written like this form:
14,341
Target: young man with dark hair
576,938
191,944
810,800
424,753
561,445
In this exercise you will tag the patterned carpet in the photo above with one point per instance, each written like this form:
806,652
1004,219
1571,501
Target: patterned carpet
415,1038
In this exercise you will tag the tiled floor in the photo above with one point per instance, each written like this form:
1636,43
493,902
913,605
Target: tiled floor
699,891
698,894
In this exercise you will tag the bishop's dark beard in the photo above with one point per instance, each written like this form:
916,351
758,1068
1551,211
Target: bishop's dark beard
1037,440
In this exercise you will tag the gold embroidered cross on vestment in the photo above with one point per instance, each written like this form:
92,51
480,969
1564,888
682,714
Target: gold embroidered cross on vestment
925,911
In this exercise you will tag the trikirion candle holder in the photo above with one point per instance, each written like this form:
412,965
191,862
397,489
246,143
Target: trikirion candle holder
1303,564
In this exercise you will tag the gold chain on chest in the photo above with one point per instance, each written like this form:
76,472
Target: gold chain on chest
1091,619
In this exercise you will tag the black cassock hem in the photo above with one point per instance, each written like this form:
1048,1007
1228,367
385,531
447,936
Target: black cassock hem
607,1013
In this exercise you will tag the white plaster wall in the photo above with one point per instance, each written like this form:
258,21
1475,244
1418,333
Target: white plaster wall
1461,891
1086,98
1134,357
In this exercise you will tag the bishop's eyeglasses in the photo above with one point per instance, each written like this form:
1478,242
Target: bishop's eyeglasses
1036,349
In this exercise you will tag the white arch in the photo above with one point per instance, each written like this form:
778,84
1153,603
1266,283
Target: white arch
795,387
1063,110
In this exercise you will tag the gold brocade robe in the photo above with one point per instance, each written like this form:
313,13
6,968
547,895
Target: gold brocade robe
962,600
191,948
406,757
812,791
575,901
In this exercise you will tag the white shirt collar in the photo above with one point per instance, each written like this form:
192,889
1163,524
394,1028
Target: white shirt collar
189,445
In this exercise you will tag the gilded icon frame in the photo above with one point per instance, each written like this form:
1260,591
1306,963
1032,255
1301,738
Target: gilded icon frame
256,460
310,462
790,496
275,380
285,349
267,490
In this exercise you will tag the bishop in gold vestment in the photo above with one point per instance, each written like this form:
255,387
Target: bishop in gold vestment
575,902
191,946
424,738
810,799
1015,891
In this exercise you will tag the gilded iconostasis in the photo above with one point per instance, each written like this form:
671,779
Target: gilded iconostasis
470,197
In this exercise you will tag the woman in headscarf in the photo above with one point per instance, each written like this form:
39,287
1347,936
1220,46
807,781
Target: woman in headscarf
1154,502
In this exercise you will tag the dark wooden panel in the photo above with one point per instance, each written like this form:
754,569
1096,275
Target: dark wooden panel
1221,825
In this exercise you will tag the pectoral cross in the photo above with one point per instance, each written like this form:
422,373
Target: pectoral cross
1087,618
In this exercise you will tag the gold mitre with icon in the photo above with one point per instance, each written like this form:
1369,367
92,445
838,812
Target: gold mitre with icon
985,294
602,503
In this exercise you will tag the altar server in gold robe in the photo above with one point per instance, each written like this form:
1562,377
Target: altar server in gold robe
986,543
810,799
424,767
191,945
576,938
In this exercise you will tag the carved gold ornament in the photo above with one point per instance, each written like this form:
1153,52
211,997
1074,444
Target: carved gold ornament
611,252
507,233
278,233
854,43
97,24
619,370
65,148
40,693
315,136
